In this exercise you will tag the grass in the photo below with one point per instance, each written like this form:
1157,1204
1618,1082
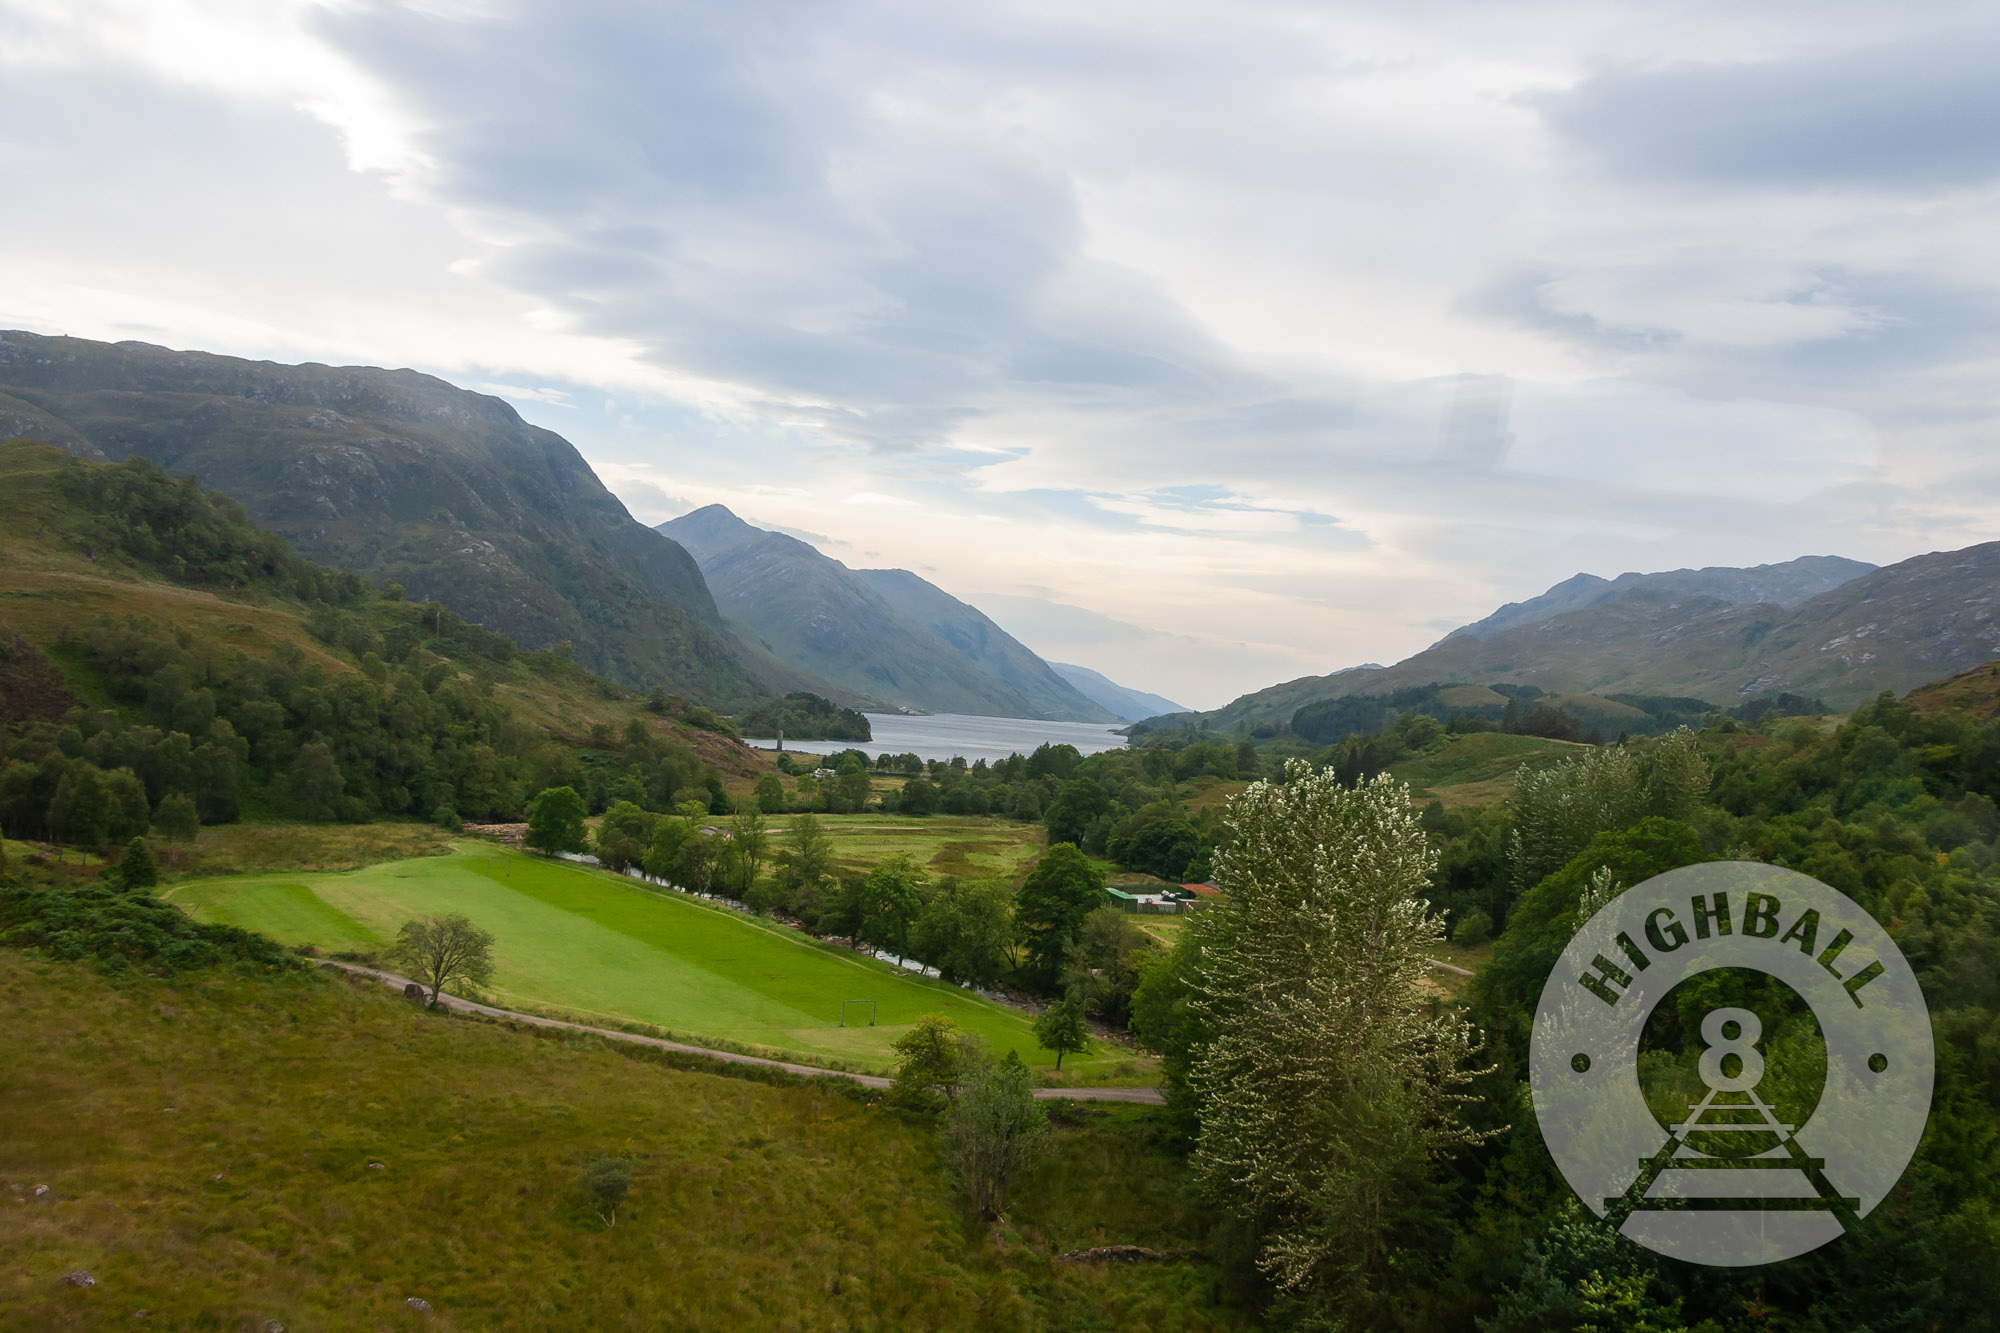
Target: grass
1478,768
236,849
207,1143
603,948
969,846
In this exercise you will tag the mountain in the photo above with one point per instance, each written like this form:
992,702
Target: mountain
399,476
1892,628
1125,704
886,632
1784,585
1048,692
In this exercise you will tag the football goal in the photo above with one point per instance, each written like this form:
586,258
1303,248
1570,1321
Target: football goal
871,1011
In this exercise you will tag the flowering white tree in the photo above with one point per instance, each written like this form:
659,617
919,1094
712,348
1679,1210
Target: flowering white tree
1331,1077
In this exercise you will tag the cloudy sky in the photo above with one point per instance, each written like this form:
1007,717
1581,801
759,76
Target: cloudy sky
1208,345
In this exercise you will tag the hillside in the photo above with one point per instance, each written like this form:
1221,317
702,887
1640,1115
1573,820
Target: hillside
1127,705
219,664
224,1150
1784,585
398,476
884,633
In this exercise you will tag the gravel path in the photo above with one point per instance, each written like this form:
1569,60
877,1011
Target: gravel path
1147,1096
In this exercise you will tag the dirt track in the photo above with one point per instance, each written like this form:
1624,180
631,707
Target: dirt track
1146,1096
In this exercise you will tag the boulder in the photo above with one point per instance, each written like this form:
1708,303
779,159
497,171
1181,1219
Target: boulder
79,1278
419,1304
413,991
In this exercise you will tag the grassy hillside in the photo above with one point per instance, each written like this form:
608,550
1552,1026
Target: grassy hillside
399,476
1478,768
601,947
207,1144
971,847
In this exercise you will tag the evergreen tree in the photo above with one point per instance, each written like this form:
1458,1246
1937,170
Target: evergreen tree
137,868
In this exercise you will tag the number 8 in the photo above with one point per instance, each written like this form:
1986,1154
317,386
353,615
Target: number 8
1740,1043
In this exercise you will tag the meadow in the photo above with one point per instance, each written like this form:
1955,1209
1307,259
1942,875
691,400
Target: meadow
224,1150
602,948
968,846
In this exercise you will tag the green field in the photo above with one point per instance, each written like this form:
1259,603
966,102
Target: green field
598,947
969,846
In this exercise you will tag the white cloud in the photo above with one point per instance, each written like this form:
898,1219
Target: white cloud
1291,330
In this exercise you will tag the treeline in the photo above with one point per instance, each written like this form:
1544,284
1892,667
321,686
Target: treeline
805,717
1895,808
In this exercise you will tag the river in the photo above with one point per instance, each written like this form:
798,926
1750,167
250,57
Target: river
951,735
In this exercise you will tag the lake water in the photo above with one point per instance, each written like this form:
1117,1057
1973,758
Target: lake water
950,735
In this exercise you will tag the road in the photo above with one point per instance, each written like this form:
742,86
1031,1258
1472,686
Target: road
1145,1096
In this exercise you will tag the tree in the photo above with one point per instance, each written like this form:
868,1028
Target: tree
670,840
919,797
1106,962
1062,889
1676,775
555,821
751,838
995,1129
770,794
313,787
1559,809
1060,1028
607,1180
1078,803
625,835
804,869
850,791
1328,1081
80,814
928,1061
964,930
443,949
890,902
127,810
136,869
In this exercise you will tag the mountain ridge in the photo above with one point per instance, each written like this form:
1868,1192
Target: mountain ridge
1129,705
889,634
400,476
1893,627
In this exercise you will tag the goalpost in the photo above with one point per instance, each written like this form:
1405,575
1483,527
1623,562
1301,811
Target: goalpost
871,1011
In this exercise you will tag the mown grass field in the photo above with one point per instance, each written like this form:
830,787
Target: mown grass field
207,1144
969,846
602,948
1478,768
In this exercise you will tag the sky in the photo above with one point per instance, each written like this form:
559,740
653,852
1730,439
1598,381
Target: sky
1206,345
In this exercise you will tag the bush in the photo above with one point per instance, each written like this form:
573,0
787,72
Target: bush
126,928
1473,929
607,1180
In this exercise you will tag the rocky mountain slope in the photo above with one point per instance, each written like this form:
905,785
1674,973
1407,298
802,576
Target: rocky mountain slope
885,633
400,476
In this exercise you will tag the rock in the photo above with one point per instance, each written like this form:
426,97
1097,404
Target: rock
79,1278
419,1304
216,1176
273,1326
413,991
41,1191
377,1166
